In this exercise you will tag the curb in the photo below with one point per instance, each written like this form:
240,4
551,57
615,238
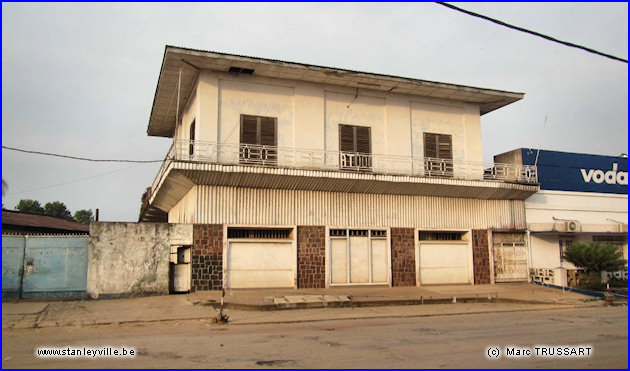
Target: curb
370,303
55,324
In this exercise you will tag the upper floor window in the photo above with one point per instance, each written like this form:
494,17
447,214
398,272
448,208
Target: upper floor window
191,144
258,140
438,155
355,147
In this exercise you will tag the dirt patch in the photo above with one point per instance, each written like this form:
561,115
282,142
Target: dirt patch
275,362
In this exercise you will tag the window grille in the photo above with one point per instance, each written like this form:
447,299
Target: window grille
440,236
259,233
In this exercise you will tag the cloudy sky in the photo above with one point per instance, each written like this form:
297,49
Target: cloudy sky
79,79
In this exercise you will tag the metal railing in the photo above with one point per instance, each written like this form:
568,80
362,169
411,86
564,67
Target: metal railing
312,159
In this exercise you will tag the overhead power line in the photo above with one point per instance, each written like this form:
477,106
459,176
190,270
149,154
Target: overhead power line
566,43
79,158
72,181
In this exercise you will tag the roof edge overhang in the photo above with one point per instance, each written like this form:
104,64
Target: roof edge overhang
184,63
180,177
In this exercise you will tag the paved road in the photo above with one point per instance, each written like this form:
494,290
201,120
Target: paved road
453,341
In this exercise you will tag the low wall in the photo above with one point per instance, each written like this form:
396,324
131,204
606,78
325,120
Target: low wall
128,259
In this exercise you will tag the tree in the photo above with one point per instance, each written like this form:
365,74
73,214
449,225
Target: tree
58,210
84,216
595,257
30,207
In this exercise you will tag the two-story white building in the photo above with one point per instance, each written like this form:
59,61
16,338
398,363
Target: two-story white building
297,175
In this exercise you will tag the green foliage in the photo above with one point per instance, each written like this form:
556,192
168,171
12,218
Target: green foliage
55,209
615,282
58,210
595,256
30,207
84,216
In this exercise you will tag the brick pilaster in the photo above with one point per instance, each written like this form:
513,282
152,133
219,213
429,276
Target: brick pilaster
311,256
481,256
403,257
207,257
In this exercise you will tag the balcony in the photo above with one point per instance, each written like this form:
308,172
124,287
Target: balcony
245,165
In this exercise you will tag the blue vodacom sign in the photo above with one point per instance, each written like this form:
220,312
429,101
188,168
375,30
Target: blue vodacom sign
564,171
610,177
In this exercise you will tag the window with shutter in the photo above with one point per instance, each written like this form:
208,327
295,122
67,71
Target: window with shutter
438,155
191,144
355,147
258,140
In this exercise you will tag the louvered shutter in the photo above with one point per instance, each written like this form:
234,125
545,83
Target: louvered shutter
356,147
346,138
430,145
444,146
438,146
249,129
362,140
257,131
267,131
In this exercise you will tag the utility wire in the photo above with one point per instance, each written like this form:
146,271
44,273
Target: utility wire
73,181
79,158
566,43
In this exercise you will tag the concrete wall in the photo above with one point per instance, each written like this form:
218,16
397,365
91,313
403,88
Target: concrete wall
592,210
309,115
545,251
132,258
596,213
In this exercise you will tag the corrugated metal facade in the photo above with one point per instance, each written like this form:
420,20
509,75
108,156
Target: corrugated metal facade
249,206
184,210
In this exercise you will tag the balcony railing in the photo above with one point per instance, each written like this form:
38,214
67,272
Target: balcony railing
311,159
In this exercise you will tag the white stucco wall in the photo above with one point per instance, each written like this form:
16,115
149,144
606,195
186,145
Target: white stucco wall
597,213
309,115
586,207
462,122
238,97
545,251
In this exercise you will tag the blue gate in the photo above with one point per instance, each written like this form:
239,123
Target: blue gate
48,266
12,264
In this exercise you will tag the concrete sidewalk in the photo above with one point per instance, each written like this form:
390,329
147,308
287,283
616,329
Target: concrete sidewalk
262,306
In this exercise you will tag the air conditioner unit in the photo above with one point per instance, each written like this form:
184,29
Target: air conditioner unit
572,226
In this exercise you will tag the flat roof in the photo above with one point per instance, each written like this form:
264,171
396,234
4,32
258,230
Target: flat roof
191,61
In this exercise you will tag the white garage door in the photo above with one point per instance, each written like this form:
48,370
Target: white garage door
260,264
358,257
444,263
510,257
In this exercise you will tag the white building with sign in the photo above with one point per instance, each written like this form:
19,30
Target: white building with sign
582,198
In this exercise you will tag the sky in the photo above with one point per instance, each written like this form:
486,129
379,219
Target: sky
79,78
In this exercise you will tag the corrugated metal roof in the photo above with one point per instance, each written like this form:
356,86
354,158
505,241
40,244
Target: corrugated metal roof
12,219
191,61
